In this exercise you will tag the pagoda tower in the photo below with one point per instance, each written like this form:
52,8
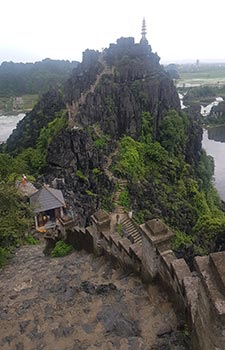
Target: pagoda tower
143,33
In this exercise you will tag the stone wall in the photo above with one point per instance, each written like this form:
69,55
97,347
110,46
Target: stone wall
200,295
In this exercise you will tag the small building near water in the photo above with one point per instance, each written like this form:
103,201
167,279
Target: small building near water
48,205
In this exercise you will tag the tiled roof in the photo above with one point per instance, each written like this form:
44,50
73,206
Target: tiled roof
47,198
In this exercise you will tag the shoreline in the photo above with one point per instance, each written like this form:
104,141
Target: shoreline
14,113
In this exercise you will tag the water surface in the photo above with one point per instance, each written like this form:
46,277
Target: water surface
8,124
214,144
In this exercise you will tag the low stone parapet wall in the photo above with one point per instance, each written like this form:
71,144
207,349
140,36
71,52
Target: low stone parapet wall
200,295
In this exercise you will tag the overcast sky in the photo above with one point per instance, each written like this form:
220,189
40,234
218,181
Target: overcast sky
32,30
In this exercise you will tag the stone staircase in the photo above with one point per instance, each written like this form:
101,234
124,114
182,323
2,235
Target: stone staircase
108,164
132,233
119,209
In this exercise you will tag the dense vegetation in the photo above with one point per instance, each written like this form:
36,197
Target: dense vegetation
15,213
29,128
61,249
18,79
162,184
28,146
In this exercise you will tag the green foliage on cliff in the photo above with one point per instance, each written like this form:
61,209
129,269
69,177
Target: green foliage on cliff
207,229
100,143
124,199
29,128
81,175
11,168
37,131
130,159
173,132
165,185
47,134
15,219
32,160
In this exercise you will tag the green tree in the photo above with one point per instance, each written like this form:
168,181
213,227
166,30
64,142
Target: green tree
173,135
15,216
130,161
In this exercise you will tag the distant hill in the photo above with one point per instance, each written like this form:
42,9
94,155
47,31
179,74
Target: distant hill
33,78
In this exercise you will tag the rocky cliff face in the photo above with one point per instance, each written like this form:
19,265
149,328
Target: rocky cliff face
106,96
132,82
29,128
77,165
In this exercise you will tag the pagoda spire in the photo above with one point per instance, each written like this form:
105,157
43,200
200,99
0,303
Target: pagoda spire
143,33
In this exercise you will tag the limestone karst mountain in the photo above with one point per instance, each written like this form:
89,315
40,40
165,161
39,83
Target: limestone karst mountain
121,92
118,85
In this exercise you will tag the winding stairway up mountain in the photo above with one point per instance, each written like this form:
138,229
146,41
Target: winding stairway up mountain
73,109
119,209
129,227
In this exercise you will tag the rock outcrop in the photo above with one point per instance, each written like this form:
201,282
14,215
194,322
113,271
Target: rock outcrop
73,157
29,128
106,96
138,84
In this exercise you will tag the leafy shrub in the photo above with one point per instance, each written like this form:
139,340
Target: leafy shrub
101,142
130,159
96,171
15,216
61,249
181,240
90,193
124,199
48,133
119,229
81,175
207,229
173,132
31,240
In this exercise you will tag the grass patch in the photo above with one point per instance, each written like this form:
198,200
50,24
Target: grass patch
31,240
124,199
119,229
81,175
61,249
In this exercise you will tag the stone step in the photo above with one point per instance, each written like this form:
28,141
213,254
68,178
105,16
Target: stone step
135,234
126,220
130,226
119,210
139,242
122,181
132,231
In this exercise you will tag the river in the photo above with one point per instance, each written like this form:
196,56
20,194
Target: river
7,124
214,144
